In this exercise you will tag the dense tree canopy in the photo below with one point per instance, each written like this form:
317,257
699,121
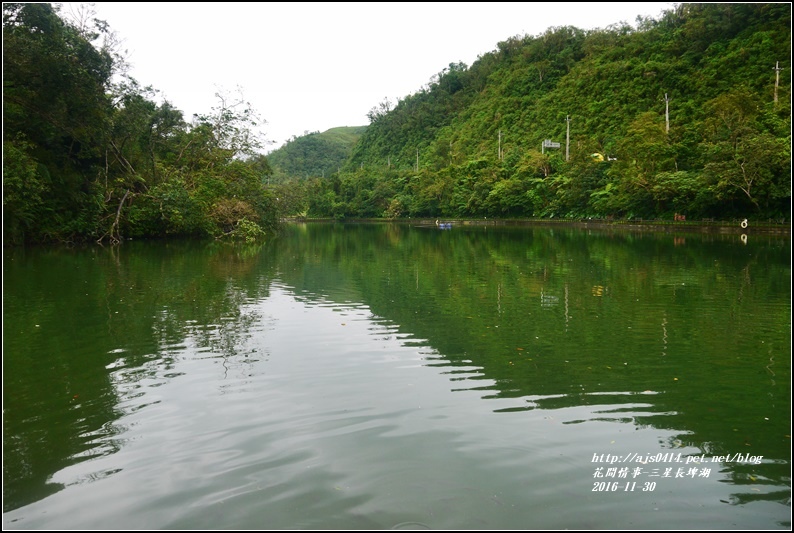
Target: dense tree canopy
677,116
87,157
680,115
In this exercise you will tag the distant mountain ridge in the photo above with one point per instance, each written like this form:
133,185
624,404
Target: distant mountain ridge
314,154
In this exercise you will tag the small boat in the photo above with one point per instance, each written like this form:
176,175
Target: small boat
443,225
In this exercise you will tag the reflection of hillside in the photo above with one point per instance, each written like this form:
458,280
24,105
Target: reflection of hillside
587,326
82,334
558,319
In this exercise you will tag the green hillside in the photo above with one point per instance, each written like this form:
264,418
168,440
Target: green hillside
688,115
315,154
677,116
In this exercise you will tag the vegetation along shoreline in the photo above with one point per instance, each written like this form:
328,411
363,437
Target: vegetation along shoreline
673,122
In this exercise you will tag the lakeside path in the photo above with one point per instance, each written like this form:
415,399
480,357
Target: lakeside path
719,227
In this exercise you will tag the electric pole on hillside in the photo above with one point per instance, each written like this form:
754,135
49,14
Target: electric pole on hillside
666,113
777,78
567,136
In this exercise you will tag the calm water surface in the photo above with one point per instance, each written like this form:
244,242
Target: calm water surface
399,377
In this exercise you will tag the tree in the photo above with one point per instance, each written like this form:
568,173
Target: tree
740,156
56,108
379,111
643,152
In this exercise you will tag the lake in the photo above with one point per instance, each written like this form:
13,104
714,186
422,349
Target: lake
398,376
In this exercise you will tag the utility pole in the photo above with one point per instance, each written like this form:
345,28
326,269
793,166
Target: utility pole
777,78
666,113
567,137
388,161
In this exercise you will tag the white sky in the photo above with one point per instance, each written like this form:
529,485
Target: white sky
309,67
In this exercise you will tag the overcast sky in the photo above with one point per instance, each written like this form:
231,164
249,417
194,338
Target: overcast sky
309,67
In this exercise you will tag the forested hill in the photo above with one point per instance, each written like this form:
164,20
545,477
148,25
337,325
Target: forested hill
683,115
680,115
314,154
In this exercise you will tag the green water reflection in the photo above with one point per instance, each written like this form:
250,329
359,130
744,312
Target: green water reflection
689,334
